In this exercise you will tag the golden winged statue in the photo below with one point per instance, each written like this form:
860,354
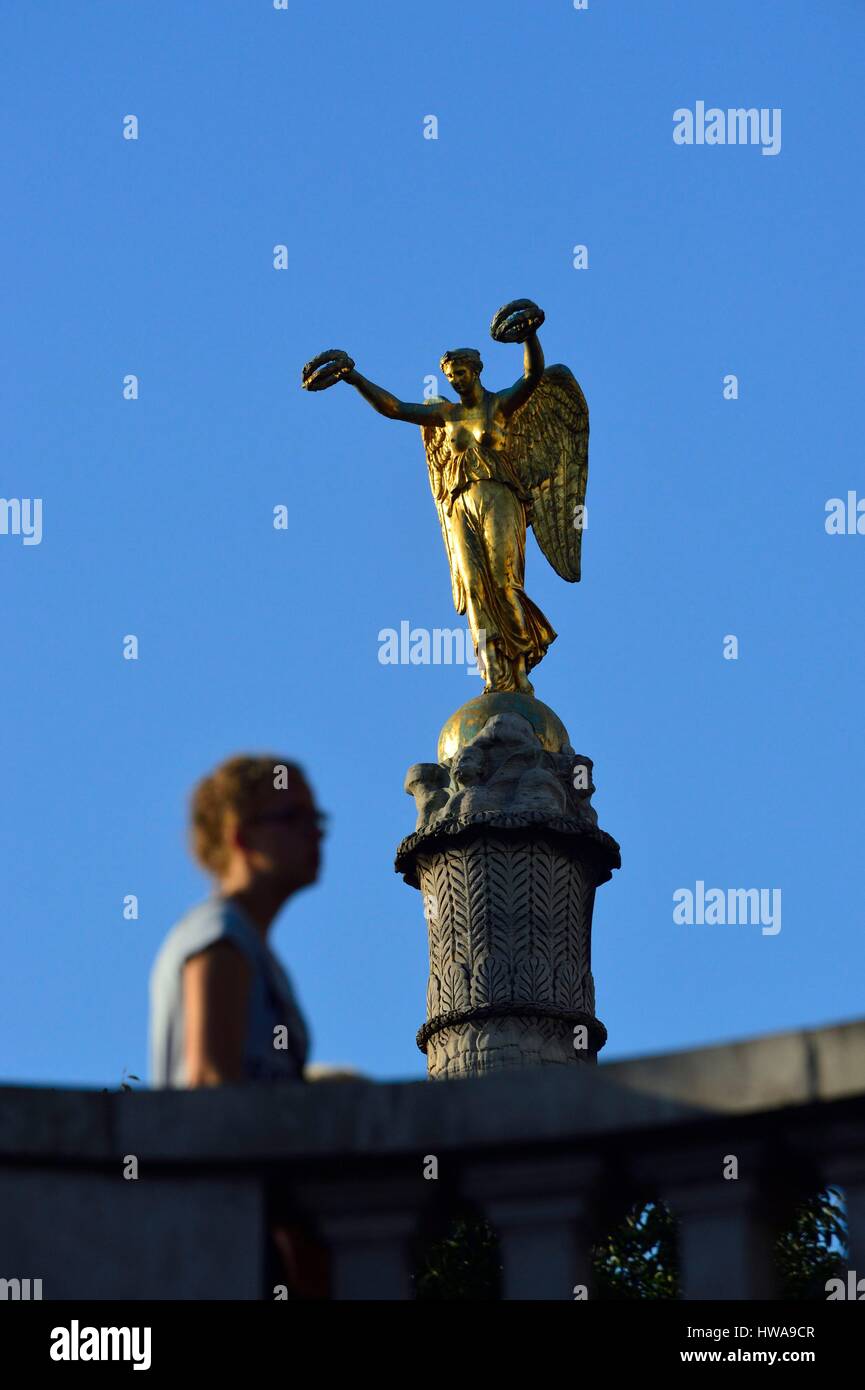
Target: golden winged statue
499,461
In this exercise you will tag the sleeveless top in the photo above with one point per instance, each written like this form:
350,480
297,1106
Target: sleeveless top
271,1002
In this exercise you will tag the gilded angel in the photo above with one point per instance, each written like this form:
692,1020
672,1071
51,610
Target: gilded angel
498,461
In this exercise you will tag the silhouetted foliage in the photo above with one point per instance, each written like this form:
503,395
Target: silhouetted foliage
639,1259
464,1265
814,1246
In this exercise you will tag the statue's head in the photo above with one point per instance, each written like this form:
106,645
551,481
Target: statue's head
462,366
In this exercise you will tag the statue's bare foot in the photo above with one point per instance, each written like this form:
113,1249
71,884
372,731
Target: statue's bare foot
523,684
494,670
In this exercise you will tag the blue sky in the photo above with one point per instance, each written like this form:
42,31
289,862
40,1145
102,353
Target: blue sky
706,516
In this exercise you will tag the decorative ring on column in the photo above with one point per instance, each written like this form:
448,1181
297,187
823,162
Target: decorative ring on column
514,1008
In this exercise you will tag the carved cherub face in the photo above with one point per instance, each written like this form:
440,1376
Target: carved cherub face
468,767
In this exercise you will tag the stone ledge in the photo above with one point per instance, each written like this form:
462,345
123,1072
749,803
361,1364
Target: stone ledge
794,1068
333,1119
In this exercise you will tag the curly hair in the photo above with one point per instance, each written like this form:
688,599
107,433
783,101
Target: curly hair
469,355
229,795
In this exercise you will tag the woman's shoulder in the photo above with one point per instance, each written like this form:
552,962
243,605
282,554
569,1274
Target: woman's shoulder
204,925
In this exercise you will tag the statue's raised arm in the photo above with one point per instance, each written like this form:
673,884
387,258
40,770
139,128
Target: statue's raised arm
519,322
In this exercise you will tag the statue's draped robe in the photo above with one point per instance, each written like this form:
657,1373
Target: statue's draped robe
488,509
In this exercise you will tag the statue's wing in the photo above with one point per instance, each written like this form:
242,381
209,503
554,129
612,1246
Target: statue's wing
549,443
436,445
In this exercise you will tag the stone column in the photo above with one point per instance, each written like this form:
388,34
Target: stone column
507,854
728,1225
727,1243
369,1225
544,1214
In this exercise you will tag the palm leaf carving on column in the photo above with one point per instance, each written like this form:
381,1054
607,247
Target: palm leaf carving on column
533,980
454,989
479,942
459,903
520,901
433,996
434,884
565,929
490,982
577,908
542,880
498,884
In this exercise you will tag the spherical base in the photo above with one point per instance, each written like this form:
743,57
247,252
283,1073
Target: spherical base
471,717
